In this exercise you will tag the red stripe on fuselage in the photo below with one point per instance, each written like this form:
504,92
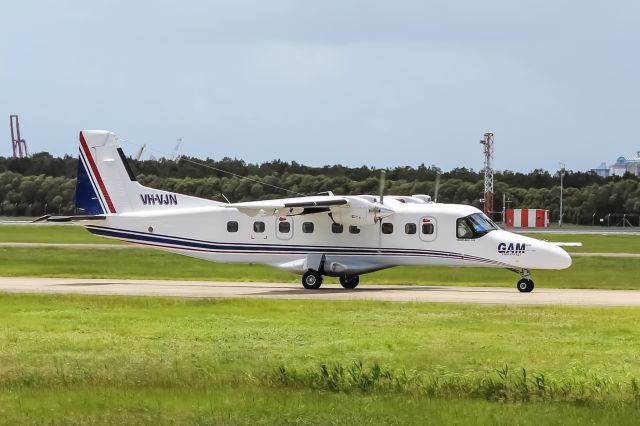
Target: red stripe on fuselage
94,168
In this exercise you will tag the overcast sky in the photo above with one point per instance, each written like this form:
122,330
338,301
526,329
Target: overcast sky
380,83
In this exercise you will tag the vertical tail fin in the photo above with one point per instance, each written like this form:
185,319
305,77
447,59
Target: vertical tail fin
106,184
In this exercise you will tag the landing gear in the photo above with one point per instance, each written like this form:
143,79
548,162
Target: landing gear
525,285
311,280
349,281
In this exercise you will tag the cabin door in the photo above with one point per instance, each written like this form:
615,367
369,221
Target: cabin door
284,227
428,228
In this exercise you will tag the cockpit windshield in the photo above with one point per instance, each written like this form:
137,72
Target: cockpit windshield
474,226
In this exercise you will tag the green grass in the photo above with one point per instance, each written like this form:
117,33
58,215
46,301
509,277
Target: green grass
82,359
595,243
251,406
586,272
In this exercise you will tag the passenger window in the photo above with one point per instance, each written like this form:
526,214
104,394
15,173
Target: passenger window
410,228
427,228
232,226
387,228
258,227
462,229
354,229
284,227
307,227
337,228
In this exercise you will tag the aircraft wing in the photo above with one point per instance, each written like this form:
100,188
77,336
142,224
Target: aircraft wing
346,210
290,206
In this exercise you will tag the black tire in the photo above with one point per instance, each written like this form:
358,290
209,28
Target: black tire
349,281
525,286
311,280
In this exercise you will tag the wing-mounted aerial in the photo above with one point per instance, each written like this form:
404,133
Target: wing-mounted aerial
346,210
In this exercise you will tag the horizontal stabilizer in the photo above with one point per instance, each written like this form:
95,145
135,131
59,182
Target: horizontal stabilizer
63,219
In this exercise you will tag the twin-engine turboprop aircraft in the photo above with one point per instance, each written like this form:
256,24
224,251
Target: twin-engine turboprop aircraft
326,234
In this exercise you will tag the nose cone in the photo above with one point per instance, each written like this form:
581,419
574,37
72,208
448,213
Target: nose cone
556,257
530,253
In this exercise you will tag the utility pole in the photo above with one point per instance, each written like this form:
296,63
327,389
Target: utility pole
561,191
504,207
487,141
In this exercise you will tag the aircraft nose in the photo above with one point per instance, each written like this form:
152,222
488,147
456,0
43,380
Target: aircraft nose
557,256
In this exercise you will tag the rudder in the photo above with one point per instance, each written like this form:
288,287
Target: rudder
106,184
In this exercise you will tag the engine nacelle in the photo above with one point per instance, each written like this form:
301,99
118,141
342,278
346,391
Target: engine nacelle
360,212
354,216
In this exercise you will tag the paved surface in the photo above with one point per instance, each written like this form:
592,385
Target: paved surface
201,289
584,231
605,254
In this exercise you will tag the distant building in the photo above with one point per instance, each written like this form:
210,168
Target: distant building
620,167
602,170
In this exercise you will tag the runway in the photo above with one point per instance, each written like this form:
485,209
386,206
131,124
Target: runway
393,293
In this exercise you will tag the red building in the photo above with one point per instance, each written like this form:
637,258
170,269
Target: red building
527,218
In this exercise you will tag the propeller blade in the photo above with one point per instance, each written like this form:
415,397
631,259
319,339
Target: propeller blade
435,196
383,181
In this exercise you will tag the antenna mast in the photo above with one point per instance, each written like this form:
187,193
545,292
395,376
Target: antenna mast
487,141
19,144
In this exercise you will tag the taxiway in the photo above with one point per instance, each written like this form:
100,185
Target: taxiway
395,293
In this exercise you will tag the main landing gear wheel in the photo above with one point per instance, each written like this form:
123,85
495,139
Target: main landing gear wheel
349,281
311,280
525,285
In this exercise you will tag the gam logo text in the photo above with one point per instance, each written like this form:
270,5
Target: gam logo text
511,248
161,199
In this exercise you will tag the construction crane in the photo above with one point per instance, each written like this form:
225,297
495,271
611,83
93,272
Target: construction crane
140,151
487,141
19,144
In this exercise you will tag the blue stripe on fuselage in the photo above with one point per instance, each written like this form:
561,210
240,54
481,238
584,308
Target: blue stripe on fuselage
200,245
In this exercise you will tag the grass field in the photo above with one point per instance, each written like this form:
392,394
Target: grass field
119,360
586,272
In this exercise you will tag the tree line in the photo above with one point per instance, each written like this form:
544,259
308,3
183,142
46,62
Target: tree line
43,184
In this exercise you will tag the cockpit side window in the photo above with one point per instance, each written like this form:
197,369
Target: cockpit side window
462,229
474,226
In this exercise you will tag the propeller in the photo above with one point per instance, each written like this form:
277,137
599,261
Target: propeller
383,182
435,195
380,209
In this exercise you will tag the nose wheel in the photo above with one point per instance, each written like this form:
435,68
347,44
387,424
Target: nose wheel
525,285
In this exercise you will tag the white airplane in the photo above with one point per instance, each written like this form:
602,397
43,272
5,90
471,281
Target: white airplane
326,234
